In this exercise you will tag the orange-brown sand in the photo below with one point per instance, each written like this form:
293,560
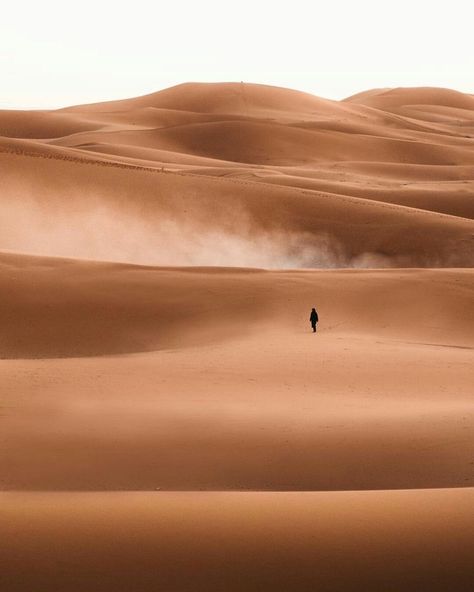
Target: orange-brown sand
120,377
249,175
168,421
407,540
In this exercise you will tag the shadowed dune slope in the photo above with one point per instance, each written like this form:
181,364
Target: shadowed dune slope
270,143
42,124
367,542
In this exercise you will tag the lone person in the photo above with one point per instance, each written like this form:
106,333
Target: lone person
313,318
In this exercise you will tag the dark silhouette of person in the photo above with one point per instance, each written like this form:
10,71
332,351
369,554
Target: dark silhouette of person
313,318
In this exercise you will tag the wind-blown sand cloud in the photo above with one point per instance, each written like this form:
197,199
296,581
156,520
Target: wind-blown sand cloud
102,233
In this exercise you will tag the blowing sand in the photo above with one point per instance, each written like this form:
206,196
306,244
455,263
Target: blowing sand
168,419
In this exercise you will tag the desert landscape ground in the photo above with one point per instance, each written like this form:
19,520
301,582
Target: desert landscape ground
168,419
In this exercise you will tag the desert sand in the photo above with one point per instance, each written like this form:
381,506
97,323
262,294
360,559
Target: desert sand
168,421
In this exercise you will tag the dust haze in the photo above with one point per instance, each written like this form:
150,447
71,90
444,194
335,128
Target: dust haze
104,233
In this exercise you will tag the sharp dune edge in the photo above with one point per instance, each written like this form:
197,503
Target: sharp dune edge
167,421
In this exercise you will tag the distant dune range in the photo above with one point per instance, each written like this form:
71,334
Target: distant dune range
168,421
359,182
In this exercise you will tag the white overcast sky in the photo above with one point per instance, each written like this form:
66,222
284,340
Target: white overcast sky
55,53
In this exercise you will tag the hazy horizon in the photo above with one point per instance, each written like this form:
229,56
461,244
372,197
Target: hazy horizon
50,59
106,99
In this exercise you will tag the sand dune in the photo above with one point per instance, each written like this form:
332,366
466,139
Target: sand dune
124,213
410,540
276,144
326,169
42,124
241,395
65,307
224,98
168,421
401,97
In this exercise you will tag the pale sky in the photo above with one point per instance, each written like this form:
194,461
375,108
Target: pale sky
55,53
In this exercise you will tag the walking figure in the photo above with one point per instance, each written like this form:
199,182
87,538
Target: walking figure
313,318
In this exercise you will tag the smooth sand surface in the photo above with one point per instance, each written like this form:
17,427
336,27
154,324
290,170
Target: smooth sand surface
168,421
235,393
405,540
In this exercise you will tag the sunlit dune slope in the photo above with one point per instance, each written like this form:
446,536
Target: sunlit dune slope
439,106
235,391
393,98
61,307
223,98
